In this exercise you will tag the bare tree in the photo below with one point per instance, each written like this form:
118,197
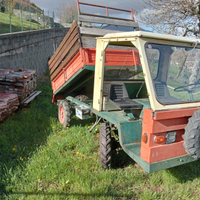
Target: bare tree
178,17
9,5
67,13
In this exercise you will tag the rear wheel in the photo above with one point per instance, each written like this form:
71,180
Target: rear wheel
65,113
105,145
192,136
82,97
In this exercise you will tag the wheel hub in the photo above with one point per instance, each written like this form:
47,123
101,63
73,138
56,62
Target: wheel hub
61,115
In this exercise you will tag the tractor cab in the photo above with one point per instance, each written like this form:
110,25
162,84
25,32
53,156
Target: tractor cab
163,69
150,96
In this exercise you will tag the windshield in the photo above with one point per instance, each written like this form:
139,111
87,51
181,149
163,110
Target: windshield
175,72
122,64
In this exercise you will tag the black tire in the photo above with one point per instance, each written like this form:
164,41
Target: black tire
192,136
105,145
65,113
81,97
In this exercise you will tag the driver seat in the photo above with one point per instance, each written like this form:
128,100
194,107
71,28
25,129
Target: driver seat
119,96
163,94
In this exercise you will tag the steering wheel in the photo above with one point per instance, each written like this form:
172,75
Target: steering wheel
185,87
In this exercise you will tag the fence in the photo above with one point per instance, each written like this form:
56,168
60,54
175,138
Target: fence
20,16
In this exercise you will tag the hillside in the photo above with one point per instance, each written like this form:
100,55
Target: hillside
16,24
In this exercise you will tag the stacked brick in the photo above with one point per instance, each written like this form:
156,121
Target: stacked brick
21,82
8,104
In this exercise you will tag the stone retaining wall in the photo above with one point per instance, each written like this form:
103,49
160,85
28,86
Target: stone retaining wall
30,49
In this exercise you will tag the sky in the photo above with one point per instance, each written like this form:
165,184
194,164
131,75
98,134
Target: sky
52,5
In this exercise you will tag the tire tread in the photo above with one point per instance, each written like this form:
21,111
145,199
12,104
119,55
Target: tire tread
105,145
192,135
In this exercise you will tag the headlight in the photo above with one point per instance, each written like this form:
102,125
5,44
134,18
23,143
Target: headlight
170,137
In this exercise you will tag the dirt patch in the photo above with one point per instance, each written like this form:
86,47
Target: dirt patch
43,78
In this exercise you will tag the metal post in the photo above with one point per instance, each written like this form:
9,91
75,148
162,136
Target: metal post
132,14
48,18
21,16
43,19
37,12
30,17
53,20
9,17
79,11
60,22
107,12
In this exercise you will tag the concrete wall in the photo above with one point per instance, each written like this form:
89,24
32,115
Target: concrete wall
30,49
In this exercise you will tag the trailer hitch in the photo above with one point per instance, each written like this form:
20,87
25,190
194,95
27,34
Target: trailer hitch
95,124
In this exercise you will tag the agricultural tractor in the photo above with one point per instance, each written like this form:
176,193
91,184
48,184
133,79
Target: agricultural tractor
145,87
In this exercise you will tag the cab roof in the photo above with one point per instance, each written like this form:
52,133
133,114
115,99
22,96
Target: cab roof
145,34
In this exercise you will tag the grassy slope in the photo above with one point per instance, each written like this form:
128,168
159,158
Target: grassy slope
41,160
16,24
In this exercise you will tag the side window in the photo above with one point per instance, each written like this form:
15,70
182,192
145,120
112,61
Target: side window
153,56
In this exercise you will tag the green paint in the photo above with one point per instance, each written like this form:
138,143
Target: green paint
145,102
130,137
138,69
133,150
130,115
129,132
136,90
89,67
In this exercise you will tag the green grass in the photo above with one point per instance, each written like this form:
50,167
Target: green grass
16,24
41,160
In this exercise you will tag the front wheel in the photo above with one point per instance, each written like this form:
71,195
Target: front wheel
105,145
192,136
65,113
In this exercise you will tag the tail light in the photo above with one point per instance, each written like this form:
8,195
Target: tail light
144,138
159,139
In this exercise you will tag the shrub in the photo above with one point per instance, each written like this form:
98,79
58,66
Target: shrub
12,4
2,8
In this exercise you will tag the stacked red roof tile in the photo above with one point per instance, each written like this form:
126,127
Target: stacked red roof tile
8,104
15,85
21,82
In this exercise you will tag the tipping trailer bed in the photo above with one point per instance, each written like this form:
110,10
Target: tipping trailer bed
72,65
74,62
